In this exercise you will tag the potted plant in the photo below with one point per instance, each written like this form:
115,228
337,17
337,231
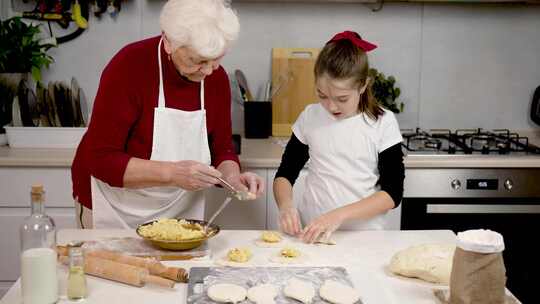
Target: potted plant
21,50
385,92
21,55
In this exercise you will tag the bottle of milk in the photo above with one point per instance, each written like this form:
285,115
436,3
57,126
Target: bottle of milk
39,281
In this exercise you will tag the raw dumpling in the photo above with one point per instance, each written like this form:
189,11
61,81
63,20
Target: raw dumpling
288,255
269,239
431,262
262,294
300,290
226,293
338,293
240,255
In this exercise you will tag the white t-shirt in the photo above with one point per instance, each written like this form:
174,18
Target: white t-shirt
343,160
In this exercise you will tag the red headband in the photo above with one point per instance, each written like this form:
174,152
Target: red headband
355,39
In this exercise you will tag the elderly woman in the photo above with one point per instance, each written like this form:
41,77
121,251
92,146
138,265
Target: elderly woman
161,128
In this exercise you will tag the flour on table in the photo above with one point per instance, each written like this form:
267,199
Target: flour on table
300,290
338,293
226,293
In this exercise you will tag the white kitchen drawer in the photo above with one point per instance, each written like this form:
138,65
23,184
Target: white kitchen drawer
10,221
238,214
16,183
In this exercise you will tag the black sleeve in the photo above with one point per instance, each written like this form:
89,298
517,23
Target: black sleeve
392,172
293,160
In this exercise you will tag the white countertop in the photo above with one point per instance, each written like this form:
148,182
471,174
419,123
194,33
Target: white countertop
266,153
364,254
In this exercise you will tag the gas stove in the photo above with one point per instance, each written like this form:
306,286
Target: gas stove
467,141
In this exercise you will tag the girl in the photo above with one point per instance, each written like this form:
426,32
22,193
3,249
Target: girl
356,170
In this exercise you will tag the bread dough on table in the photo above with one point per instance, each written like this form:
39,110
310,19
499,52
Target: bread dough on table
338,293
263,294
302,291
428,262
226,293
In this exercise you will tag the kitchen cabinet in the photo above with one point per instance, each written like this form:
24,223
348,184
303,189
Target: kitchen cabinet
16,183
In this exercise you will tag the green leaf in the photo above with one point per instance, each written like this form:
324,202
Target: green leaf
20,49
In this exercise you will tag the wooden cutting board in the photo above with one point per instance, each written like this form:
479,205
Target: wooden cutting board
294,85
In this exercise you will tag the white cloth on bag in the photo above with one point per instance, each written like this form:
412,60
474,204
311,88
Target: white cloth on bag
343,158
177,135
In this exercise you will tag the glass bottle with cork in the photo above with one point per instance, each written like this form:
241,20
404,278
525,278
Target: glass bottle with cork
39,280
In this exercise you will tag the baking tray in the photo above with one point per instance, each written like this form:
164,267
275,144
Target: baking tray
200,278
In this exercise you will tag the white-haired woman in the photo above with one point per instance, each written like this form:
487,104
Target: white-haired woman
161,128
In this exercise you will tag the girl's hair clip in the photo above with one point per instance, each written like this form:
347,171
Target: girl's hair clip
355,38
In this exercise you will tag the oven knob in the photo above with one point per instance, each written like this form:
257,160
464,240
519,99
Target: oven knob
508,184
456,184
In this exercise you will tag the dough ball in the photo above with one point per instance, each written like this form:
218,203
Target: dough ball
239,255
429,262
271,237
226,293
338,293
300,290
263,294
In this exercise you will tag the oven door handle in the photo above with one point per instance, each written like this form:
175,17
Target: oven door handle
485,209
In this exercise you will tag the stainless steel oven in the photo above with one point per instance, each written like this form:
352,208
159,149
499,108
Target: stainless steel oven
506,200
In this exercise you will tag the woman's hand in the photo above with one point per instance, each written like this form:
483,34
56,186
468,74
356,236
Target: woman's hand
323,226
289,221
192,175
248,181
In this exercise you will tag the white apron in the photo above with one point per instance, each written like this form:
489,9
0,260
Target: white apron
177,135
342,169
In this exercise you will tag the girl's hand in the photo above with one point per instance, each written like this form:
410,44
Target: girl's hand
289,221
322,227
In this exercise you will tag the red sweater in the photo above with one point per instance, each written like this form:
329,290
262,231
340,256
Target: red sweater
123,115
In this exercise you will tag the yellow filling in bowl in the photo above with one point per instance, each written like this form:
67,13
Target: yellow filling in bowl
172,230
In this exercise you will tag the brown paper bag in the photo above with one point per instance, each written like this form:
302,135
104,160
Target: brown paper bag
477,278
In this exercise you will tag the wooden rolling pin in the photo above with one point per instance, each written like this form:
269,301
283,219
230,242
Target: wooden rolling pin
155,267
124,273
